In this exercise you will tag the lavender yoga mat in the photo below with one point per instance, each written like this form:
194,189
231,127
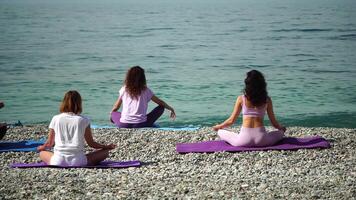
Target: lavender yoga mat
103,164
288,143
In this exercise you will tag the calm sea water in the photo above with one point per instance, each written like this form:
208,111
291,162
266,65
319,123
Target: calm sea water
196,55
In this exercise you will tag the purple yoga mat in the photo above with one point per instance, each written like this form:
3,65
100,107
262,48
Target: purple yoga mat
115,117
103,164
288,143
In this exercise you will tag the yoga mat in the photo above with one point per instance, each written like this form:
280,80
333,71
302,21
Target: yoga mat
288,143
26,145
103,164
178,128
115,116
94,126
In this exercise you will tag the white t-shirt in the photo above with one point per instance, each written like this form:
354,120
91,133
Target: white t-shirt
134,110
69,132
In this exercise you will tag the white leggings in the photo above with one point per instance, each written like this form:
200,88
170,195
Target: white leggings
250,137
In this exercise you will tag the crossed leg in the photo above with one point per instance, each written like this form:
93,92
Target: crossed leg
96,157
46,156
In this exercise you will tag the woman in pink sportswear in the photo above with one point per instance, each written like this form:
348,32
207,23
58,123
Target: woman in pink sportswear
253,104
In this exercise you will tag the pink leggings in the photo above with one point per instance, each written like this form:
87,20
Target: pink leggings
251,137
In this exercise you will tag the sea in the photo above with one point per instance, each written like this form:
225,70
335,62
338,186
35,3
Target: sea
196,54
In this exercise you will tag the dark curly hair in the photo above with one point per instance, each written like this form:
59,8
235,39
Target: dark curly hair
256,88
135,81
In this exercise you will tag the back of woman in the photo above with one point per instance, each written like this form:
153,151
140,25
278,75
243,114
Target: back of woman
252,116
71,129
134,109
253,104
134,97
68,132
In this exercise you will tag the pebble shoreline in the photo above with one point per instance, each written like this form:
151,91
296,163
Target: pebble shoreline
302,174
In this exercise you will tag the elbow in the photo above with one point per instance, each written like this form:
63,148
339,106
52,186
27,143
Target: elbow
229,122
161,103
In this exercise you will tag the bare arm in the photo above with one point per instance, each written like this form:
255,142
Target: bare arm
235,113
164,104
272,117
49,143
90,141
116,105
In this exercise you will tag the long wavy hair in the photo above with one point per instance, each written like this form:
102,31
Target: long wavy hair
72,102
135,81
256,88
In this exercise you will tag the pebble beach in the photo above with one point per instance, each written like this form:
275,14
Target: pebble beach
302,174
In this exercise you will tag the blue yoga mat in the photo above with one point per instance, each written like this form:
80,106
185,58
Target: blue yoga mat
156,126
103,164
25,145
178,128
94,126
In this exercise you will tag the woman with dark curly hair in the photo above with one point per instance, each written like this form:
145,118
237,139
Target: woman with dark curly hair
134,97
253,104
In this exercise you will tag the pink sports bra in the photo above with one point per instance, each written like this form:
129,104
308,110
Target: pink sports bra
252,112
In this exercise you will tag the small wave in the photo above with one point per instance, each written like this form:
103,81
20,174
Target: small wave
92,58
101,70
86,31
325,71
159,29
303,30
259,66
38,68
126,36
200,45
168,46
343,37
198,59
152,13
275,38
308,60
138,35
346,30
233,66
302,55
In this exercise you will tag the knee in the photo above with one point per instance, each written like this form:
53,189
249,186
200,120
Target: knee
280,134
221,133
106,153
42,153
160,109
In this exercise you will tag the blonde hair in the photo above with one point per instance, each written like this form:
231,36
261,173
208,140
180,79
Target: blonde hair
72,102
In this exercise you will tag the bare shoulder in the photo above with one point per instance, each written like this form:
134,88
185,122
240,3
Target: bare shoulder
239,99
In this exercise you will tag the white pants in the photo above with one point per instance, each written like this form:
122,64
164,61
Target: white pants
78,159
